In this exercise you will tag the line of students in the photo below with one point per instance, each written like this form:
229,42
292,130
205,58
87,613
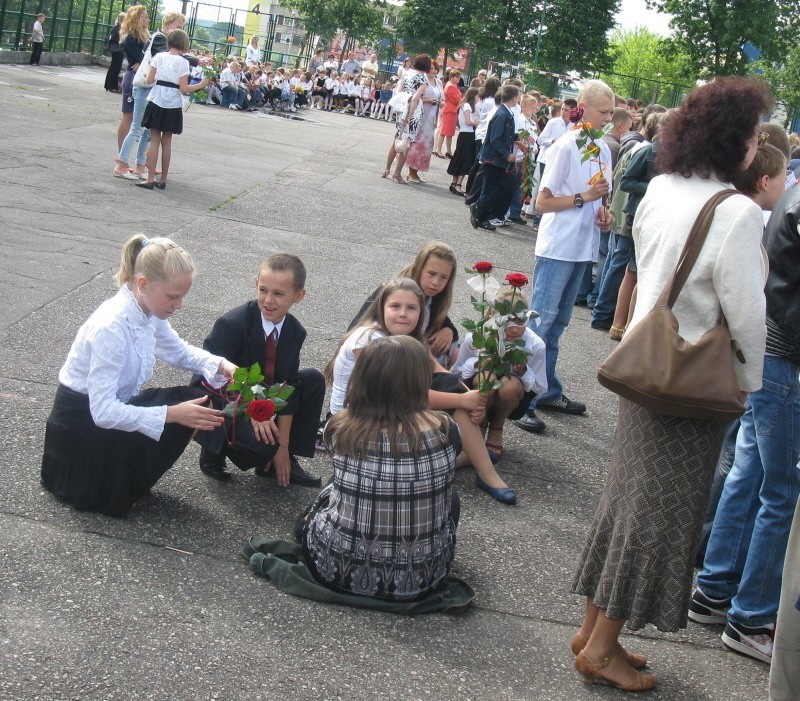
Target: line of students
365,96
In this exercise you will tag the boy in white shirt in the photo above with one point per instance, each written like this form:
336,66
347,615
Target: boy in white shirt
573,212
37,40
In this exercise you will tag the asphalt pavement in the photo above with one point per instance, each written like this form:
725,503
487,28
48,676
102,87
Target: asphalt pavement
160,605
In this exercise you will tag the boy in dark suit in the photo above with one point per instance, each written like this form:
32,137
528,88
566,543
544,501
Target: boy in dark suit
262,331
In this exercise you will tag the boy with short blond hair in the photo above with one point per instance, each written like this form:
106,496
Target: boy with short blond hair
573,213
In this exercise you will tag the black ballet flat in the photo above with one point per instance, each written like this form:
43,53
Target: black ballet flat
161,186
145,185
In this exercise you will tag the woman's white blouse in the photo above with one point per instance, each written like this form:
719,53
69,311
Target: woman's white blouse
113,356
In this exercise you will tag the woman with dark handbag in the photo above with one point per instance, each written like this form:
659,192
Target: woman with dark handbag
636,567
114,47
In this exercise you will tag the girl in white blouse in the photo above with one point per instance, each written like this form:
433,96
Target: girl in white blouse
106,443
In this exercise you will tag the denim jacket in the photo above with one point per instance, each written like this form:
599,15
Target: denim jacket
499,141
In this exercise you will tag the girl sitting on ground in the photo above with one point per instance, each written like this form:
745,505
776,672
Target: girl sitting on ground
396,310
385,525
433,269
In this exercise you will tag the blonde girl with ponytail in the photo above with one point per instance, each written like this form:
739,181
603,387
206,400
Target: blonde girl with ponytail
106,441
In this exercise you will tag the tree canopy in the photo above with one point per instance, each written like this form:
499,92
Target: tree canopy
643,55
358,20
572,37
711,33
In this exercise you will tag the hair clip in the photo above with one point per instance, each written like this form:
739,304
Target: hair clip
145,242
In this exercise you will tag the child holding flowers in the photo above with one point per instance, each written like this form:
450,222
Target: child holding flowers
571,200
263,331
107,442
163,115
516,374
397,310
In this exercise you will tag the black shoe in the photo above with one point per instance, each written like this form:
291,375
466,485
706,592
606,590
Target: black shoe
213,465
601,324
581,302
711,612
472,218
302,477
297,475
530,422
563,405
517,220
487,226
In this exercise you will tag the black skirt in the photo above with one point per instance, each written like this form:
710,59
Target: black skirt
106,470
464,157
163,119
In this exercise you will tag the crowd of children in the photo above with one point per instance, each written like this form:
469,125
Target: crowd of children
251,86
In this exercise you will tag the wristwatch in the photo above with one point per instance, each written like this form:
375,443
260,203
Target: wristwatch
578,201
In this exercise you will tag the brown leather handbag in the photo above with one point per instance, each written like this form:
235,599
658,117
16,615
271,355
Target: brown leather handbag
657,369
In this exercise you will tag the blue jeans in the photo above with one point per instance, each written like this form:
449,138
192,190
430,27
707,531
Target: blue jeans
724,465
744,558
619,253
555,284
137,132
515,208
231,95
587,292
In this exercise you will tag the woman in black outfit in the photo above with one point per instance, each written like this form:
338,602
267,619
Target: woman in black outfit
114,46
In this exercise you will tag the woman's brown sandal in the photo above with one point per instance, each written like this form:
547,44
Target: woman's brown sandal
633,659
593,672
615,333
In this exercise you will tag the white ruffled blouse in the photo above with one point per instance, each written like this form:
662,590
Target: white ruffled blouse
113,356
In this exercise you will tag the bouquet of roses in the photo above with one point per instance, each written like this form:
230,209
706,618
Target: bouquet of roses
248,397
497,355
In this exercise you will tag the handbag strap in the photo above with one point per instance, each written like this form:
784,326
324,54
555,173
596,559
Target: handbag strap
692,247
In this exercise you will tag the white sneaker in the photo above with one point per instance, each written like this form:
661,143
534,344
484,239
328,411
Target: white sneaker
294,109
497,222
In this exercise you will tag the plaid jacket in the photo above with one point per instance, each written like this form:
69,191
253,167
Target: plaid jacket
382,527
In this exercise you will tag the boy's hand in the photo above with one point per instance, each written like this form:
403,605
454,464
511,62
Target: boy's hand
604,218
266,431
282,466
596,191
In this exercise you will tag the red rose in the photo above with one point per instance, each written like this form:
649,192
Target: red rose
517,279
575,114
483,267
261,410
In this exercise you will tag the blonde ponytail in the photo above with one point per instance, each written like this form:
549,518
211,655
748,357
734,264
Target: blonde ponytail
157,259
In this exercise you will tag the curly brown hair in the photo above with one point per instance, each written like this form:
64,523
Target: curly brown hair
708,134
422,63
